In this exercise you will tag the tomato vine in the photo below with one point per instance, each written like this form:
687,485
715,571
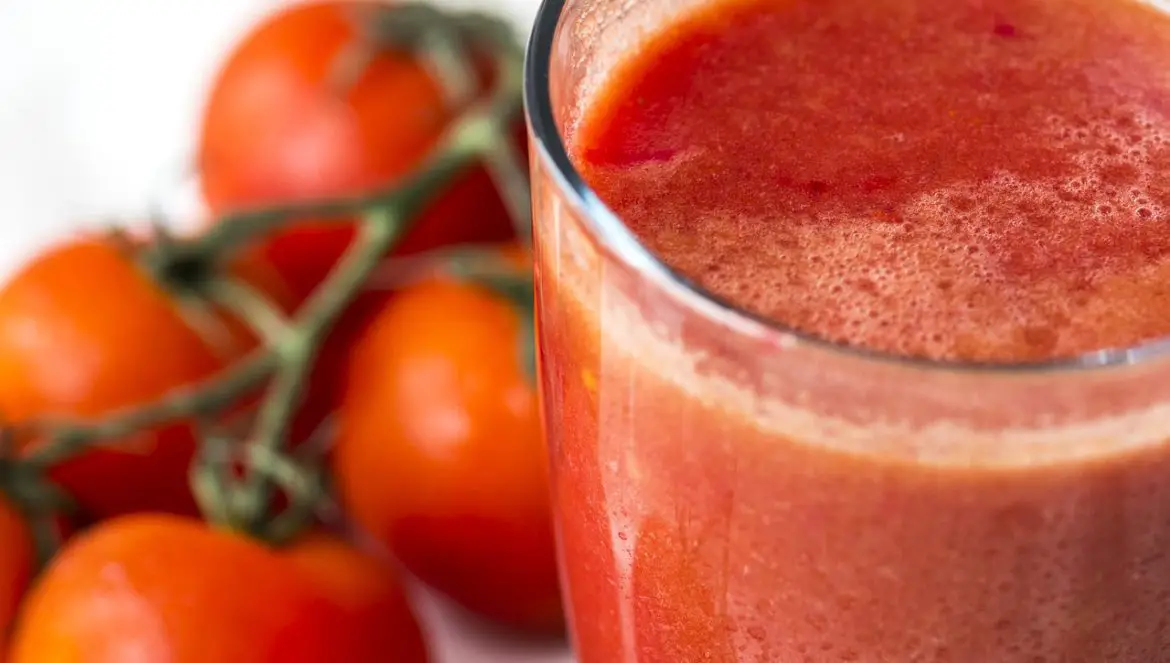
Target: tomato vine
236,478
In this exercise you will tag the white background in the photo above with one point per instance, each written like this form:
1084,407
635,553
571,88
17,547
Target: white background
99,102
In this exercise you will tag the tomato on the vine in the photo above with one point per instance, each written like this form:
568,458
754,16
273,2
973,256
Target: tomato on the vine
439,453
85,333
16,564
166,588
368,589
284,124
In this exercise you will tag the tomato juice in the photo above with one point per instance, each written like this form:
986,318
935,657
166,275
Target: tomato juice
866,417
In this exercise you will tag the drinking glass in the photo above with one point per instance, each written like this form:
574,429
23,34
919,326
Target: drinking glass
729,490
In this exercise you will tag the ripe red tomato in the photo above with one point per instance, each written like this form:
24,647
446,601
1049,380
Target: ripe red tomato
165,588
84,333
279,128
368,590
440,455
16,565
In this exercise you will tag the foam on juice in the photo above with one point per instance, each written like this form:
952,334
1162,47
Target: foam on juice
861,195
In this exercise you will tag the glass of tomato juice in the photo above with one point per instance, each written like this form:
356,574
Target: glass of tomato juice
850,319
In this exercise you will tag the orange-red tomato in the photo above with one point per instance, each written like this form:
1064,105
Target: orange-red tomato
85,333
165,588
279,127
16,565
440,456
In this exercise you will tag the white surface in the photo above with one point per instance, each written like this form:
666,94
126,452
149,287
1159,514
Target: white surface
98,104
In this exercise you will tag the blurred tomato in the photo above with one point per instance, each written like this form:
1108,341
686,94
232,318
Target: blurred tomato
165,588
282,126
440,456
84,333
16,565
368,590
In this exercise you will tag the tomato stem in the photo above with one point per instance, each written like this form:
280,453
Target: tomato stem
506,167
505,164
209,474
252,306
384,222
37,498
377,232
67,439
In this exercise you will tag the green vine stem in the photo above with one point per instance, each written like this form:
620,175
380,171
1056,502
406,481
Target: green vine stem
236,477
452,64
67,439
254,307
299,346
37,498
507,166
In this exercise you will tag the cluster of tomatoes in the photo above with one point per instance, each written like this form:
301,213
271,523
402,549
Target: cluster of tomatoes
436,459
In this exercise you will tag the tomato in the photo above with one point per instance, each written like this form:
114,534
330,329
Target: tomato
16,564
367,589
278,127
439,454
85,333
166,588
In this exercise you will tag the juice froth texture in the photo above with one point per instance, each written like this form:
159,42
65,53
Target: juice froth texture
963,180
968,180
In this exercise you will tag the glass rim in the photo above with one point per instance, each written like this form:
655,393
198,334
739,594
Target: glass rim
615,238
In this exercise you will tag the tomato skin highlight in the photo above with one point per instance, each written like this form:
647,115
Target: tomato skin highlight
278,128
166,588
440,457
85,333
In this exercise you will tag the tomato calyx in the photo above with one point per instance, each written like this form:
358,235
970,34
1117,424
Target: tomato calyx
414,28
299,477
